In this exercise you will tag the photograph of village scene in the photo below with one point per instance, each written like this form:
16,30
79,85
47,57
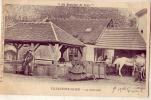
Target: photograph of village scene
73,44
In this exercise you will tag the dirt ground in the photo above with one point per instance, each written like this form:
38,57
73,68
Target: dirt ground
40,85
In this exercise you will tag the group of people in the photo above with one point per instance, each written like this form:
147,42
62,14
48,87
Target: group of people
106,59
140,67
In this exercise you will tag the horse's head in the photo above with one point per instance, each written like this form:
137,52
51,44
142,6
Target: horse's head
115,61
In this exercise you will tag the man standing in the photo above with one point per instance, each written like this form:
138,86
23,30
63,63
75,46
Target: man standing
27,63
140,67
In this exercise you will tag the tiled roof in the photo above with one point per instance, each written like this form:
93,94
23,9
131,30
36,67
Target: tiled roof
128,38
39,32
86,30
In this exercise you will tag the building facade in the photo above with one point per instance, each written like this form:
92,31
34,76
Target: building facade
142,22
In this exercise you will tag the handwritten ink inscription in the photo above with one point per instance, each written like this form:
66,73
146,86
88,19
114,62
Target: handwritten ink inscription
127,89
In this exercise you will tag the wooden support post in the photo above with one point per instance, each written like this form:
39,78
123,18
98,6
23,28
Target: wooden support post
17,50
17,54
60,46
36,47
63,49
32,46
18,47
81,52
95,54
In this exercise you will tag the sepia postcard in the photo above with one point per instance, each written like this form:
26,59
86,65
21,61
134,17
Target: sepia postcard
75,48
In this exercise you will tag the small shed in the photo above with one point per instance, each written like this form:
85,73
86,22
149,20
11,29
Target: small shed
35,34
39,33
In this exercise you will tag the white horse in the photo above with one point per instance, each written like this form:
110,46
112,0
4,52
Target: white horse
133,62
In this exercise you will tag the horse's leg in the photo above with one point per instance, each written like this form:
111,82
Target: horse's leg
133,72
117,68
120,67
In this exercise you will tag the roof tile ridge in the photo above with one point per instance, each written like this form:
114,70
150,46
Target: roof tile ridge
108,19
68,34
54,31
104,29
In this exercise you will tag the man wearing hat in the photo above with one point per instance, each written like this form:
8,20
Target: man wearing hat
27,63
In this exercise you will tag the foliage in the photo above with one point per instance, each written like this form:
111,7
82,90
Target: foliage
38,13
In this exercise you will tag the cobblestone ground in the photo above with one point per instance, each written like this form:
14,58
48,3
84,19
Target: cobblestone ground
20,84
